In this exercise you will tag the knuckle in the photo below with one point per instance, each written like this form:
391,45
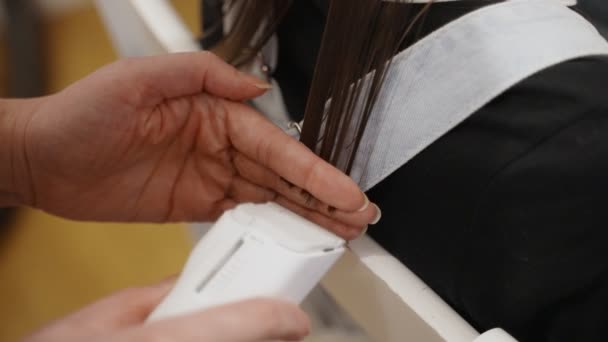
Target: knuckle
211,59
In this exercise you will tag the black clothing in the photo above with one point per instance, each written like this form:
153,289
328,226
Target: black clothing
597,12
504,216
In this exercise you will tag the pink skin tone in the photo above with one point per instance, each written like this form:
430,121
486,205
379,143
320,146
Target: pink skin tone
167,139
120,318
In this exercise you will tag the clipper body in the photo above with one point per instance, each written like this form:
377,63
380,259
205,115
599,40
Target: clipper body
254,250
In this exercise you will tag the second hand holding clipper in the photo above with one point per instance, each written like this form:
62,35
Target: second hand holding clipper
254,250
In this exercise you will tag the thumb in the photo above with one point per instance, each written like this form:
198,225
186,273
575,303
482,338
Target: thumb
191,73
121,310
248,321
126,307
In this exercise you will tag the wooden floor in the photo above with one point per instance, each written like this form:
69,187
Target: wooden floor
49,266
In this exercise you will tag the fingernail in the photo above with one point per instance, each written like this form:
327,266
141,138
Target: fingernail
256,82
378,215
365,205
263,85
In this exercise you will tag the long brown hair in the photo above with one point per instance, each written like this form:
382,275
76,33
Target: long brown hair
359,41
253,22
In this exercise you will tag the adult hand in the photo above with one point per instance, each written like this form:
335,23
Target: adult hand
120,318
167,138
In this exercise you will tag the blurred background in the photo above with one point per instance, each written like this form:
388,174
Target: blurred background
48,266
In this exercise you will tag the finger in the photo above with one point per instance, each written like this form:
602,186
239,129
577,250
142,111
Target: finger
183,74
341,229
247,321
260,140
126,307
264,177
258,174
242,191
218,211
121,310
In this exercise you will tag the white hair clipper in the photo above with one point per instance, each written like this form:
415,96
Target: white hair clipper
254,250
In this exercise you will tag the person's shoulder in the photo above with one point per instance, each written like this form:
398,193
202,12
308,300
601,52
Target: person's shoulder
584,64
584,78
552,97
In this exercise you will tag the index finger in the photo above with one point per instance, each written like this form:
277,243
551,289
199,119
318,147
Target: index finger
263,142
